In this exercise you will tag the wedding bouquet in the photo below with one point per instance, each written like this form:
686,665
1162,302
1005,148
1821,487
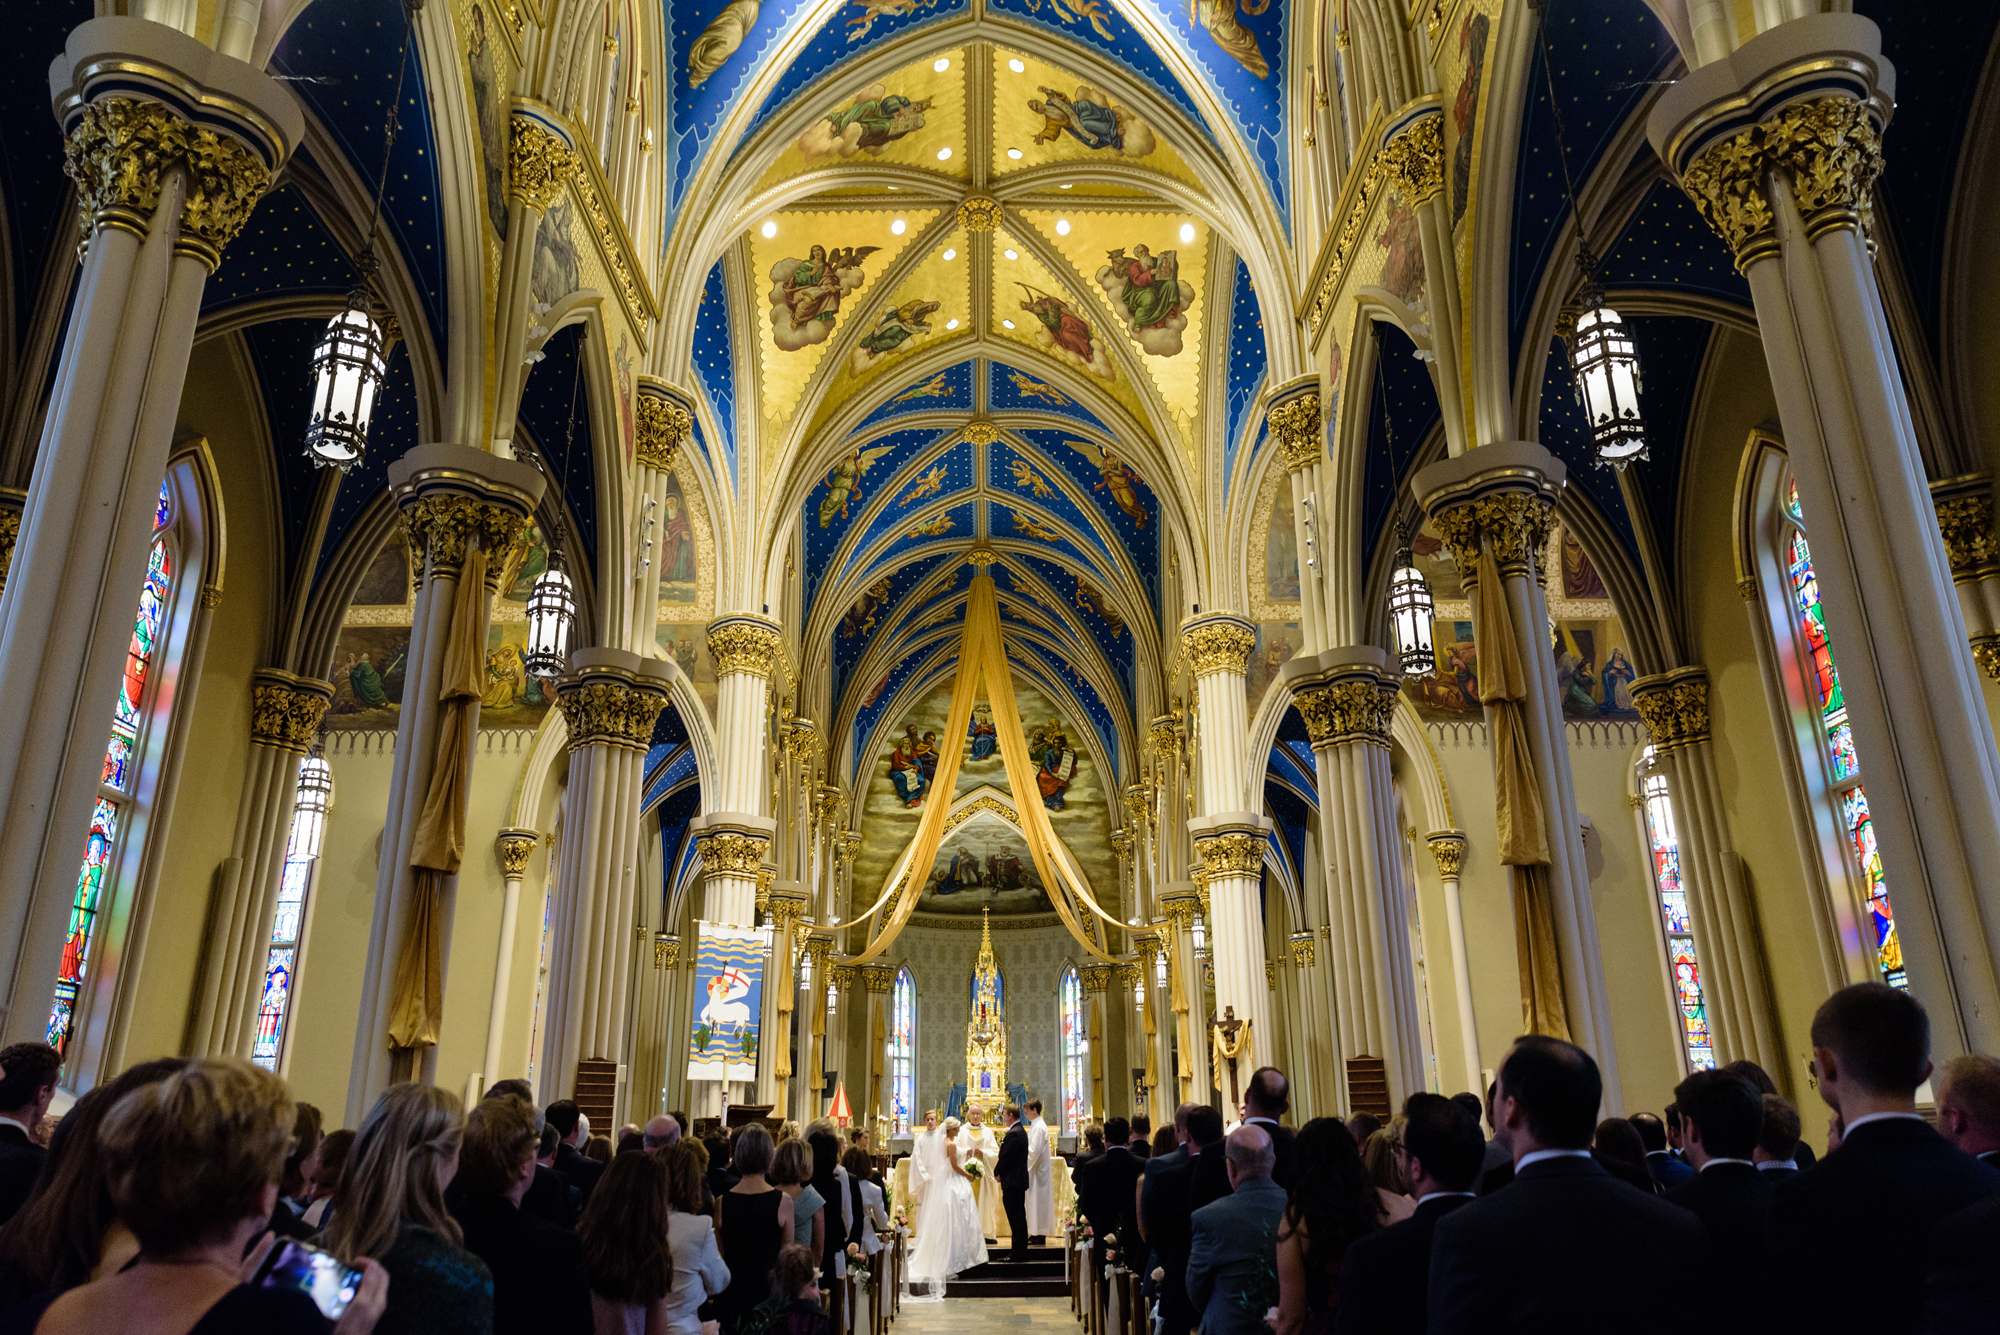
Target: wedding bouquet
975,1170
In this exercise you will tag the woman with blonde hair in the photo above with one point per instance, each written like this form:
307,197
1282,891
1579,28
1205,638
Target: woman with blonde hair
1381,1156
392,1206
192,1163
699,1273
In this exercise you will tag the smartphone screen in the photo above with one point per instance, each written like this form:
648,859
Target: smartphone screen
317,1274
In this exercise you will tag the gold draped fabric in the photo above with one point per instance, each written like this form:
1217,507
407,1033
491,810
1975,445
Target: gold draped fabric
983,655
416,1006
1522,825
816,1065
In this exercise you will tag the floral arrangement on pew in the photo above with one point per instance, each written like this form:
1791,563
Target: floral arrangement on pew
858,1272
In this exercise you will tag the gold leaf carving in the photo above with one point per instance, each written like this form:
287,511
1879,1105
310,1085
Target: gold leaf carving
609,713
1414,160
663,427
1295,425
1345,711
287,717
1218,646
1830,149
539,165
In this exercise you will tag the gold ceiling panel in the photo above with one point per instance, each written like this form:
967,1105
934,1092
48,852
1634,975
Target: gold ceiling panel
905,120
1033,307
1042,114
933,305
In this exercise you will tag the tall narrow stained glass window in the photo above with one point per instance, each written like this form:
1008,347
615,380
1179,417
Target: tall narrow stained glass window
1074,1034
1837,740
281,966
1676,931
119,778
902,1052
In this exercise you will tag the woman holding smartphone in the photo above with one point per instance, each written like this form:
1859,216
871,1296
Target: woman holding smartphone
193,1164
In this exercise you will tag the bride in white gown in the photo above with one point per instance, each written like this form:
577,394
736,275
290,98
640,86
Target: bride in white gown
948,1237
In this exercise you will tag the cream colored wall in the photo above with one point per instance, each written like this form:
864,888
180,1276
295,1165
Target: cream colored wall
218,405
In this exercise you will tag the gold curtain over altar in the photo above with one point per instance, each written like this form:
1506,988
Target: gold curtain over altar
416,1009
982,655
1522,826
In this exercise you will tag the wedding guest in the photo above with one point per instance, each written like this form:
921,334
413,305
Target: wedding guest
1962,1284
1668,1172
1564,1247
1164,1142
302,1157
392,1208
699,1273
1267,1098
1332,1203
68,1232
1619,1151
1105,1186
1169,1205
1382,1283
661,1133
540,1285
193,1162
791,1173
572,1134
324,1184
1093,1145
1381,1157
1761,1078
599,1151
26,1089
625,1231
1232,1248
1968,1106
1890,1181
1363,1125
1497,1169
1721,1115
754,1219
796,1308
873,1215
829,1179
1142,1135
1777,1139
552,1197
719,1178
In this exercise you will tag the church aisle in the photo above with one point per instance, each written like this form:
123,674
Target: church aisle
974,1316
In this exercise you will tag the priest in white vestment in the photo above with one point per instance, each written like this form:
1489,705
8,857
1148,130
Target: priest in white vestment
1041,1178
977,1141
927,1165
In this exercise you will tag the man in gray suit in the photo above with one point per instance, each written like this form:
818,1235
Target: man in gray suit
1233,1266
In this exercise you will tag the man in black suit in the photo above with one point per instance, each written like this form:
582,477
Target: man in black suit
1269,1097
1721,1115
1169,1211
1668,1172
540,1283
1104,1186
1890,1181
1968,1106
1010,1170
572,1131
1384,1275
1142,1136
26,1087
1777,1140
1565,1247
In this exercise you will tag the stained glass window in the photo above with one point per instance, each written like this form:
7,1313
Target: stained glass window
1075,1047
117,781
902,1052
1683,963
315,794
1837,739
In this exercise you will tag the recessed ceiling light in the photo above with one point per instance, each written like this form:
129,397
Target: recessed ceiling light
1014,153
895,187
1012,255
1062,227
951,254
1007,324
1062,187
944,155
1187,233
951,323
1016,66
942,65
770,229
898,226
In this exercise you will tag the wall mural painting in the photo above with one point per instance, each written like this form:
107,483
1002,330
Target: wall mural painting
512,698
1277,641
368,667
1465,110
868,122
556,271
1593,671
1221,19
1089,117
687,645
867,610
719,40
1435,560
1579,577
676,549
1150,296
1451,690
1403,266
806,294
386,582
489,97
985,864
1115,479
622,358
893,328
1065,334
1281,549
517,577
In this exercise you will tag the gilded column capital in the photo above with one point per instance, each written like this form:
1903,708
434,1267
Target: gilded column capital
286,709
1231,853
13,502
1218,642
1304,955
610,706
1271,974
732,852
1516,523
513,847
1502,495
1121,845
1166,736
1964,508
1829,148
842,976
744,643
666,950
879,978
816,946
1354,703
1414,159
664,422
1674,706
786,907
1448,850
441,527
1098,978
1295,422
1986,653
1138,810
1180,907
540,160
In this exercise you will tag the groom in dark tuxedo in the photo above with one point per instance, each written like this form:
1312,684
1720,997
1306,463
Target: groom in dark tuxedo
1010,1170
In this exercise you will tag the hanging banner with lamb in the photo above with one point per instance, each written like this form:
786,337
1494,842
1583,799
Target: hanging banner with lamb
729,989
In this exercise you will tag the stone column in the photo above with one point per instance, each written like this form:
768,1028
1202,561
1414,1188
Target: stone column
1412,161
610,700
285,713
735,835
1448,850
880,980
1187,1012
452,498
787,909
1314,1084
1500,498
541,158
170,146
513,847
1779,145
1097,980
1964,507
1347,698
1293,415
663,422
1720,908
839,1048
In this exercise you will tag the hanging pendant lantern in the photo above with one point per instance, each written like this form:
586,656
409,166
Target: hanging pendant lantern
347,367
1410,613
551,614
1606,366
314,798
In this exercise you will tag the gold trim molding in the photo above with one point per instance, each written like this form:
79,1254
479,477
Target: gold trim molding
1220,642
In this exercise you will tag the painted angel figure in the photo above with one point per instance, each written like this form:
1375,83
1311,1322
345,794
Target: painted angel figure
1220,18
893,328
843,483
805,294
1094,124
